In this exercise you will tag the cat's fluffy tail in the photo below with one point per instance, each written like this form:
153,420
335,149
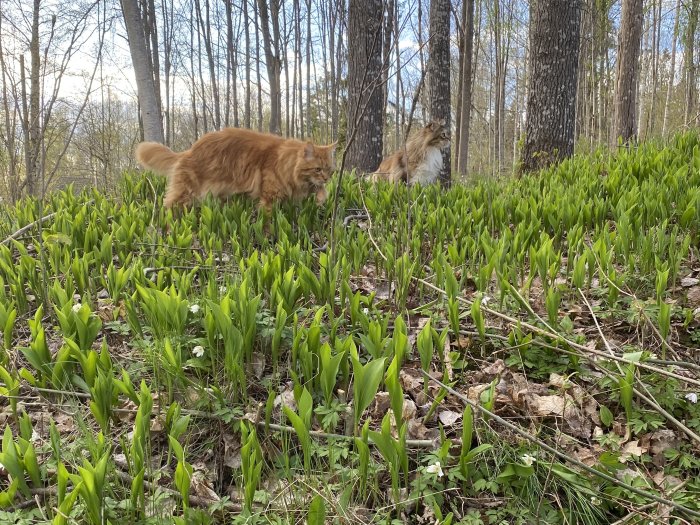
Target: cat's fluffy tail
156,157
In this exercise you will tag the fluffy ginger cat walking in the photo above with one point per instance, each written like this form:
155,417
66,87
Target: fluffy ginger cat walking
421,159
231,161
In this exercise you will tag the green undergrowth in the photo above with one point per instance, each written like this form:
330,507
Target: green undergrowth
211,368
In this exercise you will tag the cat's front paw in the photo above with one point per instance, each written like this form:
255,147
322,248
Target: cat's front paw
321,196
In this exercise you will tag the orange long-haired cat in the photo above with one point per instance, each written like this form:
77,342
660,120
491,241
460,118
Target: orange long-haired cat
420,161
231,161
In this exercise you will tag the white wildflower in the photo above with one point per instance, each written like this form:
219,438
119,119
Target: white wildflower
198,351
485,300
435,468
528,459
35,436
692,397
77,307
222,289
595,501
194,308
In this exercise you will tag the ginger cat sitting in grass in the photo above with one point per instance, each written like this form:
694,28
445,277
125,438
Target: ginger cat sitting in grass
421,159
231,161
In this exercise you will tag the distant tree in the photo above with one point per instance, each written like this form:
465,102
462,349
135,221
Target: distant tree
465,83
143,68
551,104
439,73
365,94
672,70
689,60
629,42
273,60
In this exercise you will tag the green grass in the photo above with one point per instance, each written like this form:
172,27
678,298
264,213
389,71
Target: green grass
139,351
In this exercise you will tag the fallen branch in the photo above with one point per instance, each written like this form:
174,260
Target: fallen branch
35,223
410,443
197,501
558,337
526,435
680,426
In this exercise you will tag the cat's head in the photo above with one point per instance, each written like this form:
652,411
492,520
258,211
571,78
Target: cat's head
316,164
437,134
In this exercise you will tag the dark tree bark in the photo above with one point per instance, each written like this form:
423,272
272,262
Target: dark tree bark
365,94
629,41
246,107
33,126
551,104
273,61
466,88
145,84
689,60
439,74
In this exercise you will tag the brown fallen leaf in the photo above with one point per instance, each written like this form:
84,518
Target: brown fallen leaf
630,449
546,405
411,381
257,364
232,451
497,367
382,403
201,483
694,296
661,440
448,417
687,282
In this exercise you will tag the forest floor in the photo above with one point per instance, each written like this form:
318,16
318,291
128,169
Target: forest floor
505,351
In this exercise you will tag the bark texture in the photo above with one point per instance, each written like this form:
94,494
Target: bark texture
365,93
273,61
629,42
439,74
466,89
145,84
551,104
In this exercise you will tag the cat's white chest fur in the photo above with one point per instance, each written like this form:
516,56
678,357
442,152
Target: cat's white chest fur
429,170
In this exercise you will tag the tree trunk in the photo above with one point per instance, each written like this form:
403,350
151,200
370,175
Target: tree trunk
231,51
145,84
273,62
689,62
33,125
672,72
629,42
257,65
309,131
9,117
466,92
246,29
364,113
551,104
439,75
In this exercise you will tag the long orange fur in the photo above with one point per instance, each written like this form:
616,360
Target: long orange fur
266,167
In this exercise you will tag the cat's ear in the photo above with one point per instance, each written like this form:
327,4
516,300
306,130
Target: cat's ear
309,152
